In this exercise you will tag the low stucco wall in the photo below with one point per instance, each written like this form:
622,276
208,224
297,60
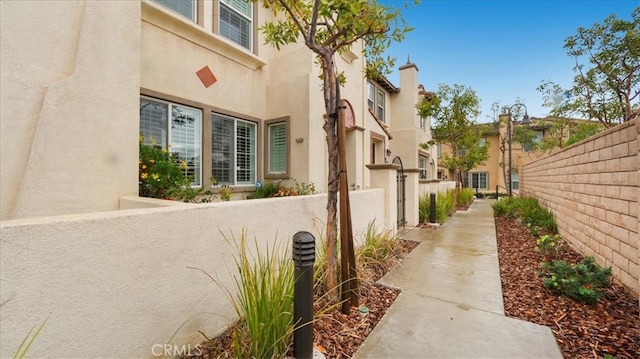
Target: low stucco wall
436,186
593,189
114,284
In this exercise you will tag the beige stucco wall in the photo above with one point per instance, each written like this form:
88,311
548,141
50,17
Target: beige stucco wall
593,189
69,106
115,283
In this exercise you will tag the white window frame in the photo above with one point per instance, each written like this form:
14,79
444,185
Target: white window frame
284,149
169,140
233,167
371,96
515,181
423,123
482,141
479,174
380,105
231,5
423,165
194,8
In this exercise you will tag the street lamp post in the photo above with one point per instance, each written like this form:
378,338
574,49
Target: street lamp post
525,121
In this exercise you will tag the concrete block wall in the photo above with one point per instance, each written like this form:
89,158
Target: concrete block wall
593,189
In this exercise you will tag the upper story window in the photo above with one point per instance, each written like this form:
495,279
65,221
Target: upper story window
236,21
375,101
482,141
185,8
233,150
423,123
526,147
371,97
177,128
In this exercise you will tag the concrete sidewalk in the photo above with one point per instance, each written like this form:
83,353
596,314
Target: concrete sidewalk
451,300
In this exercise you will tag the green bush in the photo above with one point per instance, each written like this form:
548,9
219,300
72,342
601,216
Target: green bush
537,218
444,206
550,245
158,170
378,247
264,300
585,282
465,197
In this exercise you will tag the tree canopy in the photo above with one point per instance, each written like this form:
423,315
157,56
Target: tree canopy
454,109
607,65
328,27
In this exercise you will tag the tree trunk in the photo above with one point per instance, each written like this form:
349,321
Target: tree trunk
330,127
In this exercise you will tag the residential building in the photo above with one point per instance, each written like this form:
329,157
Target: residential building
81,80
492,174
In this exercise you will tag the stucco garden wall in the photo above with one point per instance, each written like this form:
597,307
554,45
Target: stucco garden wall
114,284
593,189
70,85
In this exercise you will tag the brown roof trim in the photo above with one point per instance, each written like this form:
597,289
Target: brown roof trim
386,84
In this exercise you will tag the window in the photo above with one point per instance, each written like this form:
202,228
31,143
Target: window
482,141
233,150
439,149
423,165
527,147
185,8
380,113
277,148
375,101
236,21
177,128
423,123
371,96
515,181
479,180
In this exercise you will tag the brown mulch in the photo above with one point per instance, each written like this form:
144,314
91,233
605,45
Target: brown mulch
609,328
336,335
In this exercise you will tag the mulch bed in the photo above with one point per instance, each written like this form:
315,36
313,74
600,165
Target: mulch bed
609,328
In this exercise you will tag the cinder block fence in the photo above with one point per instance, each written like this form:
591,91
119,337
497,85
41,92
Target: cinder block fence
593,189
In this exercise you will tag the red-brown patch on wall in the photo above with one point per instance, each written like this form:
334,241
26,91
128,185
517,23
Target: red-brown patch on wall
206,76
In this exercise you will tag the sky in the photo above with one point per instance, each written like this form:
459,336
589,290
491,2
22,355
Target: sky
502,49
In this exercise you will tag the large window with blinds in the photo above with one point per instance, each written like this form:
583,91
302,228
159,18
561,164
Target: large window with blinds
233,150
184,8
177,128
236,18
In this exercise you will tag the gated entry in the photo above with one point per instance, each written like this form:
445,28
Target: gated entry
400,180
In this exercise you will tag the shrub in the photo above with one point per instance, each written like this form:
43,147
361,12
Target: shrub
276,189
550,245
158,170
264,301
378,247
444,206
584,282
538,219
465,197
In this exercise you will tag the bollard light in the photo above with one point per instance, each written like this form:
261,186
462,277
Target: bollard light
304,255
432,208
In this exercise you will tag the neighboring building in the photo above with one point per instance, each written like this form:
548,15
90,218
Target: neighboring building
493,172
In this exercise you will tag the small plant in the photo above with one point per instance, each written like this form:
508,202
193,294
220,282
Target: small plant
584,282
225,193
444,206
550,245
264,300
529,210
159,171
378,247
465,197
28,340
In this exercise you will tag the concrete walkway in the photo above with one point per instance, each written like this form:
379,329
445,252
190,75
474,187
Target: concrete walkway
451,300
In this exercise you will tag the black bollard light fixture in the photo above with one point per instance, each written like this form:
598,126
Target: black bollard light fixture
304,255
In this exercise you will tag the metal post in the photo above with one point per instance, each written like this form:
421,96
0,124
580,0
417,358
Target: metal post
304,254
432,208
509,137
497,194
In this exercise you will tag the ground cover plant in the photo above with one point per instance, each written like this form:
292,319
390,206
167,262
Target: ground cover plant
600,323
